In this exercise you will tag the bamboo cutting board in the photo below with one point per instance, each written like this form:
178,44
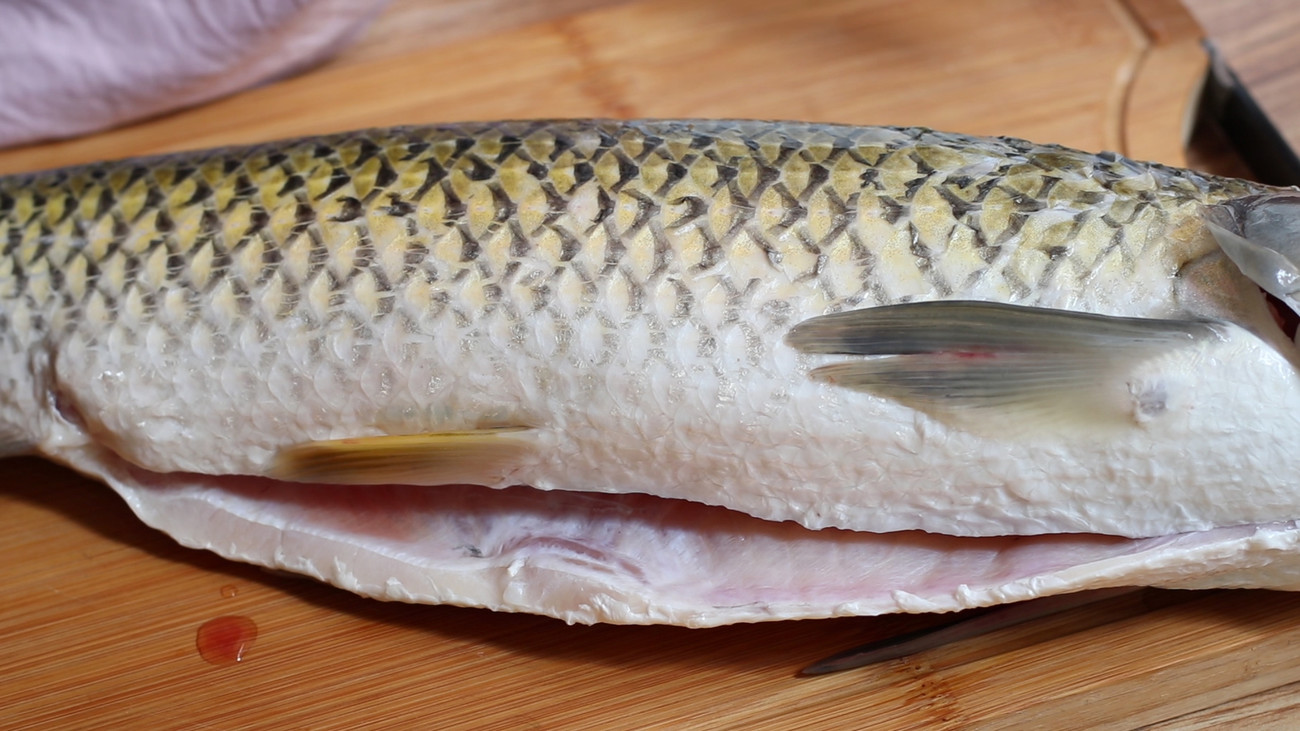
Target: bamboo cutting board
100,615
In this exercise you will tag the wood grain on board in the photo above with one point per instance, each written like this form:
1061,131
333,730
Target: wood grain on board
1258,40
99,620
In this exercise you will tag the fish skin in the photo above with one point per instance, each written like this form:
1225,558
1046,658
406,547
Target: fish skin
623,289
587,558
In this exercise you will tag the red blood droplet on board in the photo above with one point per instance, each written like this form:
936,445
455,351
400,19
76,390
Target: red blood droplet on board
224,640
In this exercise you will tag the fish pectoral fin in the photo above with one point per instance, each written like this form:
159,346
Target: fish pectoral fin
476,457
977,359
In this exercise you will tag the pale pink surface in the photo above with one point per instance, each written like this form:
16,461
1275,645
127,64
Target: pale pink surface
69,67
641,559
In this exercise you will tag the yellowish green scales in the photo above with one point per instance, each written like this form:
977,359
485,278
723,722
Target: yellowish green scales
640,307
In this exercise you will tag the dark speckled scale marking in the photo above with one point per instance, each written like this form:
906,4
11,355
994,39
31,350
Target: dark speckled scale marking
523,220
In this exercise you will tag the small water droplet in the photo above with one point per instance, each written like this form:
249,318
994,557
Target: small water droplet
229,590
224,640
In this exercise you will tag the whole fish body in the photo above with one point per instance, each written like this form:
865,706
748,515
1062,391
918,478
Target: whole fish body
288,352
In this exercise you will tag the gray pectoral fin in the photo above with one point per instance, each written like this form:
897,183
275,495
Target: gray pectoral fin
1261,235
477,457
976,359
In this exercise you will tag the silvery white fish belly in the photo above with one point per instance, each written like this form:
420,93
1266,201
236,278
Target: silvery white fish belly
874,329
618,294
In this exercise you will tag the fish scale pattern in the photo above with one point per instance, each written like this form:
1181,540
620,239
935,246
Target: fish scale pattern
423,278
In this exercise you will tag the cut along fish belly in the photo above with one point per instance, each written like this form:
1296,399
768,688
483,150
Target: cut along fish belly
639,559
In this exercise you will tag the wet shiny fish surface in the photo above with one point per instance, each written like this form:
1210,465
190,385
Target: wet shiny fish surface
614,297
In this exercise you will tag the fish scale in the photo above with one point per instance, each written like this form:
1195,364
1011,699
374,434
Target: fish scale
615,293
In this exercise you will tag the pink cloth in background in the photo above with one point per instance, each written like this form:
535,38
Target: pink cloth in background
68,67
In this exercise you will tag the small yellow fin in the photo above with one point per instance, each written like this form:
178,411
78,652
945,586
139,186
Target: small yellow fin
480,457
